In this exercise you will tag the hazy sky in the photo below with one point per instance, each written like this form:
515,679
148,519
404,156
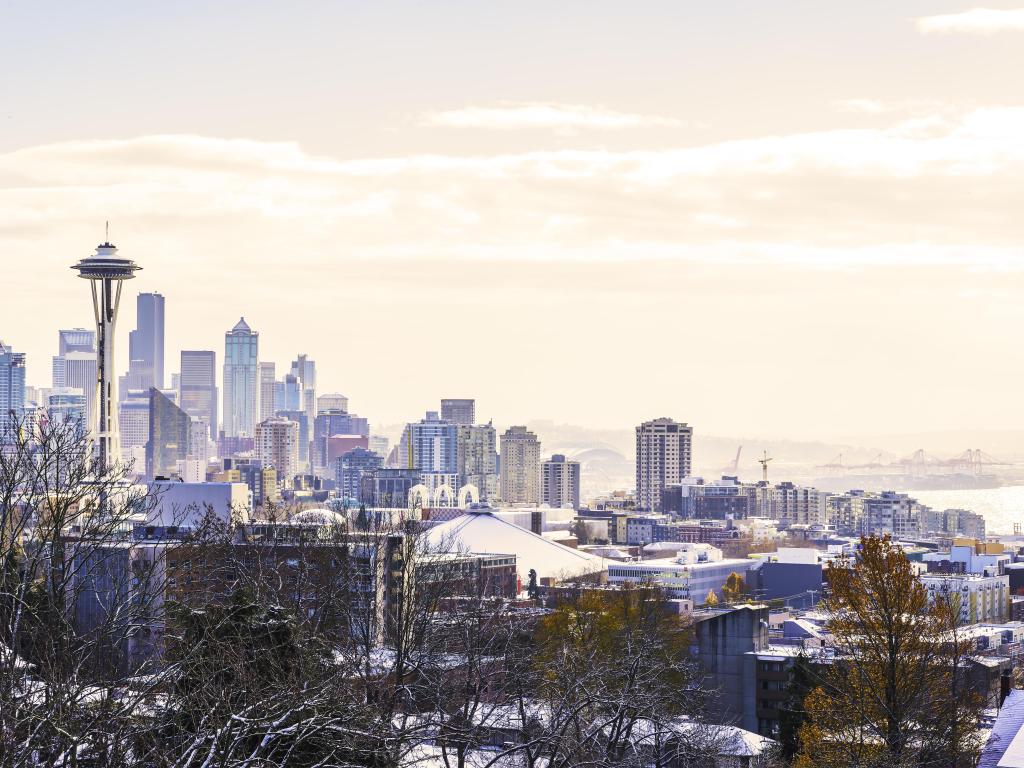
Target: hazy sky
793,219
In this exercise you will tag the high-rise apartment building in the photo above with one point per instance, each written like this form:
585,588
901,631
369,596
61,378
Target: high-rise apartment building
663,456
146,343
560,482
458,411
267,385
477,458
197,386
520,466
241,380
169,435
12,383
277,447
430,445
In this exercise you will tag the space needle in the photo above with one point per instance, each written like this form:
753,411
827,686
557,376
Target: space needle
106,271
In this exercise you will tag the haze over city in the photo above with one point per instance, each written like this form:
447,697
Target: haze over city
793,220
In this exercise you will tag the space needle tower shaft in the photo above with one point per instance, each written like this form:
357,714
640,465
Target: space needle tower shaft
106,271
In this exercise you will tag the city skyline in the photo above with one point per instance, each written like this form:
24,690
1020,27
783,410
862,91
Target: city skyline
703,194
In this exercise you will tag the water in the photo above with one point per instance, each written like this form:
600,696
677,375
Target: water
1001,507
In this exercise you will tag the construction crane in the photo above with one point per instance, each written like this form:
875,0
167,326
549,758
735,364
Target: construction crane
763,461
734,468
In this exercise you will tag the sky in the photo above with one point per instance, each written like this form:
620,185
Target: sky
789,219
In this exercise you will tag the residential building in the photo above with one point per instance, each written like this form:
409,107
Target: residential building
430,445
169,435
978,599
241,380
520,466
197,386
462,412
350,469
277,446
716,500
792,504
560,482
477,458
301,418
663,455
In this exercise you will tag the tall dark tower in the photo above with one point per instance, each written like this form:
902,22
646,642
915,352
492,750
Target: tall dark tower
105,271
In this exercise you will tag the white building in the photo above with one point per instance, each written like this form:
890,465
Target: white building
979,598
185,505
520,466
695,570
277,446
560,482
664,454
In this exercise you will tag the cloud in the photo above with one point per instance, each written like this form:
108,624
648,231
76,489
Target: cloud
943,189
977,21
559,117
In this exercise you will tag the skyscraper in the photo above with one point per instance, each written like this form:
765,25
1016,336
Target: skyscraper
459,411
71,340
106,271
430,445
304,370
560,482
350,469
663,455
241,380
80,371
197,386
477,458
277,446
267,385
146,343
169,435
329,423
520,466
331,402
12,384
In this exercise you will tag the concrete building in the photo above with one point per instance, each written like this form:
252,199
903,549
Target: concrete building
520,466
333,422
723,499
694,571
241,380
560,482
301,418
277,446
12,383
80,372
304,370
430,445
980,599
970,556
477,458
68,405
350,469
389,487
185,505
462,412
792,504
134,407
71,340
197,386
663,455
332,401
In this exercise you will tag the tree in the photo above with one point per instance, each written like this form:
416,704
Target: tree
893,693
532,590
734,589
792,714
711,600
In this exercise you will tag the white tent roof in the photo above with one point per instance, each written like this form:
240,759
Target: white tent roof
484,533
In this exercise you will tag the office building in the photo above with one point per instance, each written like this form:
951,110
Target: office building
389,487
12,383
66,406
304,370
717,500
268,383
560,482
80,373
277,447
331,402
663,456
134,420
71,340
430,445
302,419
350,469
477,458
520,466
288,394
146,343
169,435
329,423
693,572
197,386
241,380
462,412
106,272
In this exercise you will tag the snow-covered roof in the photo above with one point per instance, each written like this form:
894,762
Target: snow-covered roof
482,532
1005,747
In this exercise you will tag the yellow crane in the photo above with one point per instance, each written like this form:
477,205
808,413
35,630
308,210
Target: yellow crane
763,461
